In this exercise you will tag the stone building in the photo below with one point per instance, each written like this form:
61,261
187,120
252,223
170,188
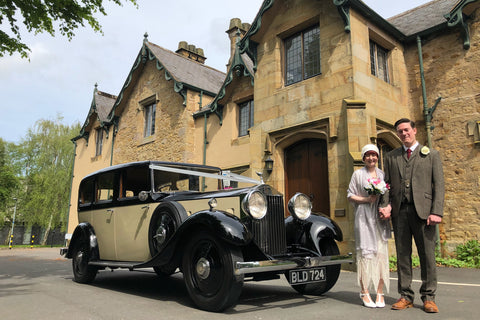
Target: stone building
308,84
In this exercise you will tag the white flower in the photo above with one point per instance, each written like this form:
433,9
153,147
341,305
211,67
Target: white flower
425,150
376,186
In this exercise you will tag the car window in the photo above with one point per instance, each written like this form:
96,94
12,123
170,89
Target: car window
168,181
86,192
133,180
104,189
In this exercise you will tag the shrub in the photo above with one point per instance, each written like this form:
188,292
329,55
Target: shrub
469,253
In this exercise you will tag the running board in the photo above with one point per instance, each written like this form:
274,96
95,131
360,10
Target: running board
114,264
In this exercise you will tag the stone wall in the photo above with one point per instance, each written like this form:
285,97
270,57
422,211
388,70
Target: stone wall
174,125
452,73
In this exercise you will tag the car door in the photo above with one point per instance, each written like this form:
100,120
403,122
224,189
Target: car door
103,215
132,216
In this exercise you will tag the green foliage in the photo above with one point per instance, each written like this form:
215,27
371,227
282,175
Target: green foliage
469,253
467,256
9,182
40,16
47,158
393,262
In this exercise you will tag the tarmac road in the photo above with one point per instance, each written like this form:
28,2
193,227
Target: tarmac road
37,284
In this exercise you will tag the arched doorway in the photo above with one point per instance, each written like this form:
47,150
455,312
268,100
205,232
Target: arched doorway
306,171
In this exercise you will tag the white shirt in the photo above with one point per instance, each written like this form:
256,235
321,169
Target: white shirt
412,147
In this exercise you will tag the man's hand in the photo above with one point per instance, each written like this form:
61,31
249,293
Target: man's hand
385,212
433,220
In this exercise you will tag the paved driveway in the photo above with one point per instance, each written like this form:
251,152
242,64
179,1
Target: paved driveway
37,284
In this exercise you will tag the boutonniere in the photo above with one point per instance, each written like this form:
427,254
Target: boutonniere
425,150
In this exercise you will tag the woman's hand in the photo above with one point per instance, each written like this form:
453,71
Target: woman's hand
371,199
385,212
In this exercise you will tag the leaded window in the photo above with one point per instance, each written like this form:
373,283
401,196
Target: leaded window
245,117
302,55
379,61
150,111
98,141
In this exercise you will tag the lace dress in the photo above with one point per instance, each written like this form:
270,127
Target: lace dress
371,235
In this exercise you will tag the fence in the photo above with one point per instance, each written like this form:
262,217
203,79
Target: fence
24,235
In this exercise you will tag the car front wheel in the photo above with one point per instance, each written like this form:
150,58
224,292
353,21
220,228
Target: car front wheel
209,273
82,272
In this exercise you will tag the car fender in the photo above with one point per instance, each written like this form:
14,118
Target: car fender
226,226
314,229
84,231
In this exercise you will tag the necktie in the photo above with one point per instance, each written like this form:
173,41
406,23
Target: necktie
409,153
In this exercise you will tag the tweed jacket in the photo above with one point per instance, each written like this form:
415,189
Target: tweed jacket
427,182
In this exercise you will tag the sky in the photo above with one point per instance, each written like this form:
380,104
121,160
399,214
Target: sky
60,76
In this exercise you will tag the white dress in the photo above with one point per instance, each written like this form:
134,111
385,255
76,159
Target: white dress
371,235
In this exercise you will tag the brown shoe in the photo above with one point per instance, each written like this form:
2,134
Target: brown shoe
430,306
401,304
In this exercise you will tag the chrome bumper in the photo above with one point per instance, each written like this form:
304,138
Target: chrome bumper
280,265
63,251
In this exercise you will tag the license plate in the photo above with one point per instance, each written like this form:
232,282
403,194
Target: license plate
300,276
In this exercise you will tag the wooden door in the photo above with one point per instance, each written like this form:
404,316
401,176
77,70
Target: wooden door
306,171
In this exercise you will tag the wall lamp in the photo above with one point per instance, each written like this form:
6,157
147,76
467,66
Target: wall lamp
269,164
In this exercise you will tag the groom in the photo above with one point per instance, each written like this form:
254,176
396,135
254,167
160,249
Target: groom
415,202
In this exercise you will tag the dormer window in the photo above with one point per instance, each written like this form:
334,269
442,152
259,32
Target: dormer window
245,119
149,113
302,55
379,61
98,141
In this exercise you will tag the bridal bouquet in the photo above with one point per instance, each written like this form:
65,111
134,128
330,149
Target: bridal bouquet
376,186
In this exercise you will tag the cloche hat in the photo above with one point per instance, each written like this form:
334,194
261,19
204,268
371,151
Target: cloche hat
369,147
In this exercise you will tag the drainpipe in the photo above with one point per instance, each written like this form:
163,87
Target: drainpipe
428,112
71,184
114,134
428,118
205,142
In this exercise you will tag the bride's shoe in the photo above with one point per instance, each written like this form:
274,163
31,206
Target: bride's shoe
369,303
380,303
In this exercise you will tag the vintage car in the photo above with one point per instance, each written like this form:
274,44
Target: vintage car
217,228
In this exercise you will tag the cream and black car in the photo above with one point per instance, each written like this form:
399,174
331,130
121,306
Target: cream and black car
219,229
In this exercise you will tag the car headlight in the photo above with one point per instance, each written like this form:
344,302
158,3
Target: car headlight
255,205
300,206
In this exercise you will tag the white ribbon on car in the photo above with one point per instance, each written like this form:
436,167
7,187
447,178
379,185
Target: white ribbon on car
225,176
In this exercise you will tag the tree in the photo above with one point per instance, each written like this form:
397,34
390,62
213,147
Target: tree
9,181
40,16
48,159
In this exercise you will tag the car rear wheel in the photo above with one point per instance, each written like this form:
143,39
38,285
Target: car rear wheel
82,272
328,247
209,273
164,223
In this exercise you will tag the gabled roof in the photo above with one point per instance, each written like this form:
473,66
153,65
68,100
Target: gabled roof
241,66
425,17
186,73
102,104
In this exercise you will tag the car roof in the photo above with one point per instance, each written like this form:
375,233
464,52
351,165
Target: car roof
148,163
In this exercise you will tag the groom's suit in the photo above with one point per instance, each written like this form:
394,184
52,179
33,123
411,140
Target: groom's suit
416,191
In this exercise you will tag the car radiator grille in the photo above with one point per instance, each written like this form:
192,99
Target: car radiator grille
269,232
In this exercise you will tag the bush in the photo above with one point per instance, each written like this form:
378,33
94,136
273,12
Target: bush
469,253
393,262
467,256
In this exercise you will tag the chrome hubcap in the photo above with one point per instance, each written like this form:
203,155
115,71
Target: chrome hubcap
203,268
161,235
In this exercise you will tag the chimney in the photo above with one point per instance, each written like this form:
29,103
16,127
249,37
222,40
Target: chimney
236,27
189,51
